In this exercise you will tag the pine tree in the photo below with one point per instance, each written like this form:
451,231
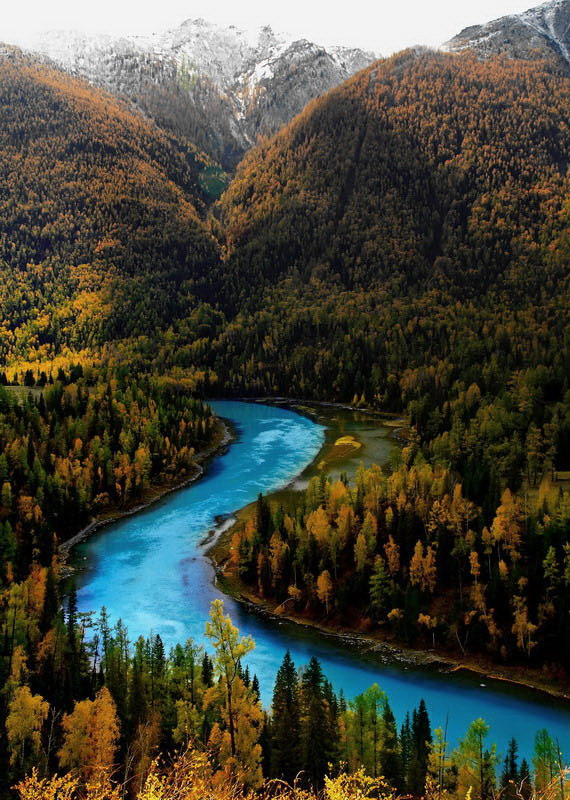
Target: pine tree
510,774
390,750
406,751
138,697
207,671
316,735
51,601
525,780
266,744
73,643
421,741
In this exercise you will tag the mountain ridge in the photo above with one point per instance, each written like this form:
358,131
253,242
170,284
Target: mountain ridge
220,87
388,109
102,214
542,30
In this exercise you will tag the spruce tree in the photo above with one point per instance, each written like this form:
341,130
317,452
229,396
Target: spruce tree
266,744
525,780
390,750
207,671
421,740
72,644
51,601
488,782
285,738
406,751
510,774
317,737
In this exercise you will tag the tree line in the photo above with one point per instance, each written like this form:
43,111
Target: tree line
85,703
88,442
405,553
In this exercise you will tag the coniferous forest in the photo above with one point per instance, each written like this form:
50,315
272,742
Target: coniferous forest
402,247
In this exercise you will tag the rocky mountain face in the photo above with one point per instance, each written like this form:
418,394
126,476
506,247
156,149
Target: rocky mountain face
221,87
541,31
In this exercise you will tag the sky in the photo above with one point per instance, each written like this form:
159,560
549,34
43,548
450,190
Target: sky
379,25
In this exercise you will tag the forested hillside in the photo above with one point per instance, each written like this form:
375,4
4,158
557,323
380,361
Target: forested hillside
111,706
404,243
83,445
102,231
424,171
407,556
101,216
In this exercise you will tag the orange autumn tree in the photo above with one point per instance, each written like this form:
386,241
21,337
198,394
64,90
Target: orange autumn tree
507,525
325,588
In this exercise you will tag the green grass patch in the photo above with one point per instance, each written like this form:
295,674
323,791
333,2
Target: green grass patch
214,181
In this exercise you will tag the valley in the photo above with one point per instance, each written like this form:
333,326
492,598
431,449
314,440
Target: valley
209,588
171,539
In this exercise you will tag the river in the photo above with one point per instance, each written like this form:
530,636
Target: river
150,570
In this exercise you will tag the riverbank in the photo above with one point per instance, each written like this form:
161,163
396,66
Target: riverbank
150,571
294,402
382,644
222,439
354,436
307,408
384,649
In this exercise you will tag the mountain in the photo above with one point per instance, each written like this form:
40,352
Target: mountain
542,31
220,87
405,236
102,215
409,166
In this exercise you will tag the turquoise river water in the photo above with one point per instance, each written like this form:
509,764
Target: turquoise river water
150,570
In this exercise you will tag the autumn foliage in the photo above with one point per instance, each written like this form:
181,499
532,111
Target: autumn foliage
407,554
101,218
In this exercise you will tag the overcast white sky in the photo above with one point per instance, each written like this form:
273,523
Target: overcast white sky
380,25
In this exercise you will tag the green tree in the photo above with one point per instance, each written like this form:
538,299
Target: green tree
544,760
390,749
475,764
510,775
317,740
421,744
380,589
285,738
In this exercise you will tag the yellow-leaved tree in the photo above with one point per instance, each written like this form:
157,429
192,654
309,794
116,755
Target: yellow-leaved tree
325,588
90,736
235,738
26,715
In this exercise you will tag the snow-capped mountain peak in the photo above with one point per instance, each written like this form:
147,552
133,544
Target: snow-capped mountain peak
543,31
221,86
